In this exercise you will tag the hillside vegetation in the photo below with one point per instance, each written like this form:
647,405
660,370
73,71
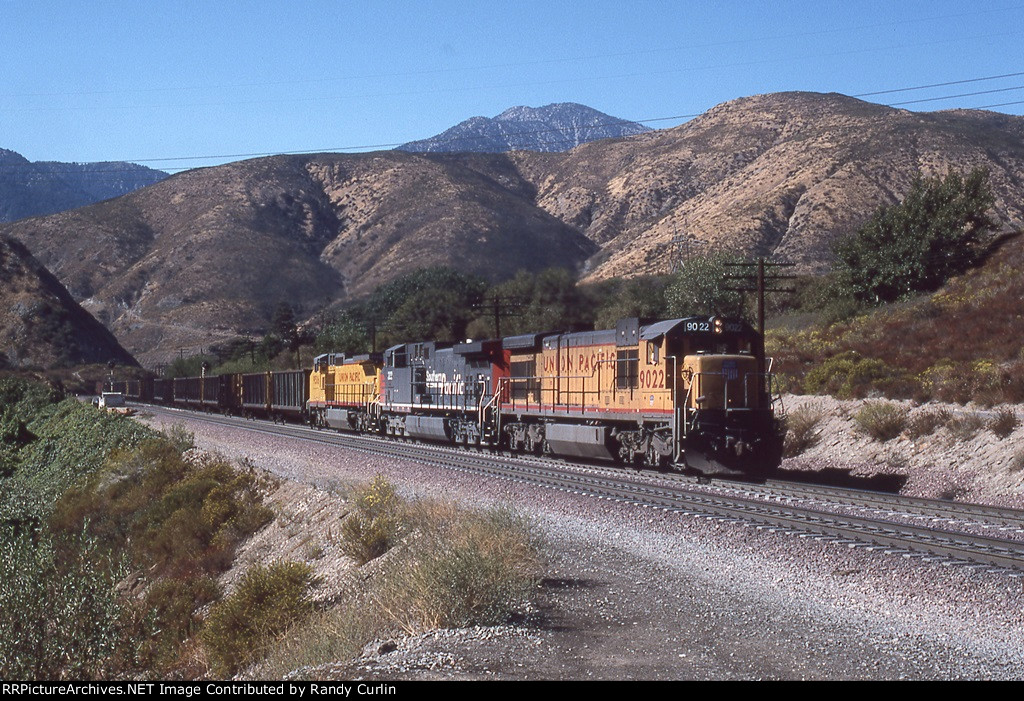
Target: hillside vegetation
116,542
963,343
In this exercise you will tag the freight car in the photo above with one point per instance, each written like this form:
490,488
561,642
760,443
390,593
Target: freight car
288,395
278,395
163,390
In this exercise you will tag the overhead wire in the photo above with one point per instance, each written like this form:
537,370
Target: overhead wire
616,122
564,59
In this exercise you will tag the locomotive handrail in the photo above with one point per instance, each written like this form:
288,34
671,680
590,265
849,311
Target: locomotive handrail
769,377
492,402
553,382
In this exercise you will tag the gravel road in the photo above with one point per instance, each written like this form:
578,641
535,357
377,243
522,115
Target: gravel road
636,593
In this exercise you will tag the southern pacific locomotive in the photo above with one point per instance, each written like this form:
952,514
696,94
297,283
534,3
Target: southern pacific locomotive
684,393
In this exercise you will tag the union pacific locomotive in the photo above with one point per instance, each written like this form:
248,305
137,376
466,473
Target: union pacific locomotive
690,393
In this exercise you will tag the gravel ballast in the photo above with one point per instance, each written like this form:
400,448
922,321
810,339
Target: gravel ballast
638,593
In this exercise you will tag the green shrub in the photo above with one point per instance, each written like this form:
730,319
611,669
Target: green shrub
1004,422
241,627
180,437
964,427
701,286
454,568
72,441
939,230
883,421
467,569
800,429
376,523
180,522
180,516
926,423
846,376
59,615
174,603
25,398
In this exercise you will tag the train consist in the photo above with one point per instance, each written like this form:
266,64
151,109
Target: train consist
690,393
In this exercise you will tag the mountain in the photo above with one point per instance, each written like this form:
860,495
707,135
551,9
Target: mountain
781,175
40,324
209,253
30,189
551,128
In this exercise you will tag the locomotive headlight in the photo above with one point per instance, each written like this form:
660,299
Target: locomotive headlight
718,325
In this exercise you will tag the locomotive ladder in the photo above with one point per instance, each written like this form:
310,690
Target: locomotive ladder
373,408
489,416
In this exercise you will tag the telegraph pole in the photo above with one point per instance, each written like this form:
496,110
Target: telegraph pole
759,278
500,306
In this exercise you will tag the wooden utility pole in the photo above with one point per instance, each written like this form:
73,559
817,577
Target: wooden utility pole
759,278
500,306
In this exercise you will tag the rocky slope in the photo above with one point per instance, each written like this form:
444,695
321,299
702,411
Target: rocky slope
209,253
551,128
40,324
30,189
781,175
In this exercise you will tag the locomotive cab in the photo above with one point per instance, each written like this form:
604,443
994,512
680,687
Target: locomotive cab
726,382
724,421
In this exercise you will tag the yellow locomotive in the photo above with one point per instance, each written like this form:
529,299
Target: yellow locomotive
344,391
684,392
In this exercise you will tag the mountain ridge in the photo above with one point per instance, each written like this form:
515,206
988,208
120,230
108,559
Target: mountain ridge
29,189
207,254
40,324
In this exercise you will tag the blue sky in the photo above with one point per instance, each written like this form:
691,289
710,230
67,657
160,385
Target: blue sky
163,82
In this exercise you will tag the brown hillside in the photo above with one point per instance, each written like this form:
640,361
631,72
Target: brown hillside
964,342
782,175
40,324
210,253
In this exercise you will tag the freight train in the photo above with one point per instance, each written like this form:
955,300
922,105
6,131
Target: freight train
687,394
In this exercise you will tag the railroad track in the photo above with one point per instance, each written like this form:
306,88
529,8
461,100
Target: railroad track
932,530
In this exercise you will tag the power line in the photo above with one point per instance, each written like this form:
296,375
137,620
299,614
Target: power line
564,59
939,85
952,97
1001,104
617,122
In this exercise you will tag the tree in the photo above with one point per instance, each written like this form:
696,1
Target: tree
615,299
939,230
342,334
700,287
430,303
284,326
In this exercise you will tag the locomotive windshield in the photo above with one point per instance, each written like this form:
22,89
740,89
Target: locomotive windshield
703,335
